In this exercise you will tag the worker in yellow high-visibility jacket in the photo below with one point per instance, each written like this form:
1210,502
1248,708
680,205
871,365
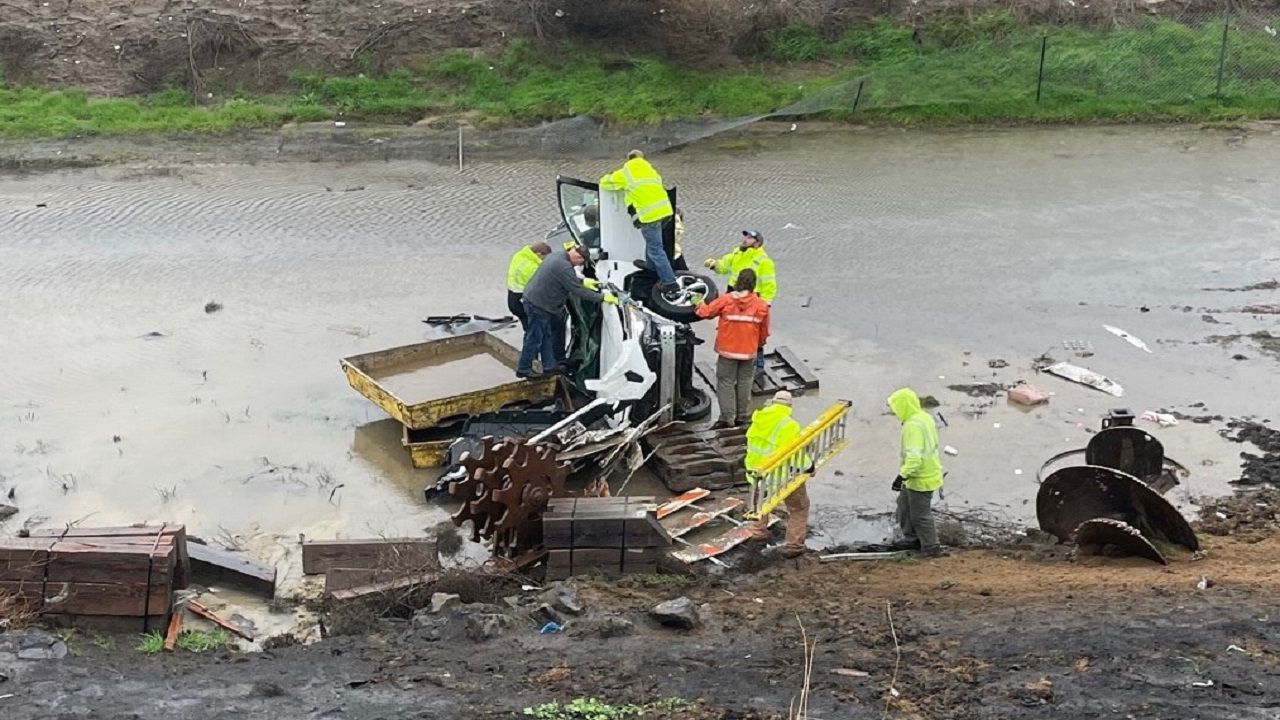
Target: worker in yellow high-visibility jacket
523,264
919,473
773,427
647,197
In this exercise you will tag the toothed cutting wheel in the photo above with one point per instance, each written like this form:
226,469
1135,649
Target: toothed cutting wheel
504,491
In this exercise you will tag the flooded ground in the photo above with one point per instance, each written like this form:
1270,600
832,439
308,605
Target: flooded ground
905,258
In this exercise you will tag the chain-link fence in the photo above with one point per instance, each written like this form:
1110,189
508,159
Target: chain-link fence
1192,62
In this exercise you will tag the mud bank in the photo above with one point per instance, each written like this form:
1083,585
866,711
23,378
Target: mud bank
981,634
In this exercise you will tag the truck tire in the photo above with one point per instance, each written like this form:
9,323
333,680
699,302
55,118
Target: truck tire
694,405
679,306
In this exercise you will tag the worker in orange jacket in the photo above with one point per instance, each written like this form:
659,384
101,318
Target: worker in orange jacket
742,330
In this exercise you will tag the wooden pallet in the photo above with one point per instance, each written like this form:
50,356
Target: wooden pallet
783,370
685,459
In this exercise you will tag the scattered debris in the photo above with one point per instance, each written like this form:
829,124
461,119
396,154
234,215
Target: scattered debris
212,306
1028,395
997,363
153,335
1084,376
978,389
1265,285
216,619
867,556
950,450
849,672
1251,516
444,603
175,628
7,511
929,402
680,613
1127,337
1162,419
487,626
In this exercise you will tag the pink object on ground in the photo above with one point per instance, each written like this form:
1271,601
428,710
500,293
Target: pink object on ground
1025,394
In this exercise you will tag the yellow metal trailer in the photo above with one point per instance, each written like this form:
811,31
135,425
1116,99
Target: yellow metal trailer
442,382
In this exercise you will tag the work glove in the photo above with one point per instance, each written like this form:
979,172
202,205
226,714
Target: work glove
709,263
590,284
696,299
897,484
610,299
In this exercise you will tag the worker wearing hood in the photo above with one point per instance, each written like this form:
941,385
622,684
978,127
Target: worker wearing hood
919,473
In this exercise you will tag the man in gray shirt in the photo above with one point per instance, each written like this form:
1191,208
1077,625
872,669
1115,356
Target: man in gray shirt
545,299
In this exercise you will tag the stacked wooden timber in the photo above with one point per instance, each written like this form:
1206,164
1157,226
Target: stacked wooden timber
608,536
360,568
120,572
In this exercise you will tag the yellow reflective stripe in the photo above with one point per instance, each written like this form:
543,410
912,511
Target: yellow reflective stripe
653,206
736,356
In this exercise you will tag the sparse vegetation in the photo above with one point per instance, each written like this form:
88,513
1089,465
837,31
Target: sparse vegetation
151,643
198,641
593,709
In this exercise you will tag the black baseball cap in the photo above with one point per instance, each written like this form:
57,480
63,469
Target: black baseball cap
755,234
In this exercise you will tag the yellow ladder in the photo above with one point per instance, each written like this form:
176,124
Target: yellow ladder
788,468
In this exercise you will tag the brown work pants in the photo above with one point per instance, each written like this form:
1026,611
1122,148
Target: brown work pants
797,504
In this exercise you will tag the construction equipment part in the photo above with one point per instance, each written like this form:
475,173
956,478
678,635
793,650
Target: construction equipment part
783,370
684,459
791,465
602,535
504,489
1131,450
1105,536
444,381
1074,495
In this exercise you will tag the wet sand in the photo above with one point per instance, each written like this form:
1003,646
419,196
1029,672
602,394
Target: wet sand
905,258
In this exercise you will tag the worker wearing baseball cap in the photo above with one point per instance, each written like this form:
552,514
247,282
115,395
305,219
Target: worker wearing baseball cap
750,253
772,427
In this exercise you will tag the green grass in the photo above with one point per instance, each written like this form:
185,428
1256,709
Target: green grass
954,70
198,641
151,643
593,709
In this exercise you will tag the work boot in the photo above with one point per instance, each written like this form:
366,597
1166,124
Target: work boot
933,551
791,553
905,544
529,375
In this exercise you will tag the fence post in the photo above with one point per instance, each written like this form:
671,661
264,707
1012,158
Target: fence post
1044,42
857,98
1222,52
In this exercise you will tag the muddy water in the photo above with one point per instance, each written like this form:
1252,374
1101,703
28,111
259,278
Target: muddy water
419,380
905,258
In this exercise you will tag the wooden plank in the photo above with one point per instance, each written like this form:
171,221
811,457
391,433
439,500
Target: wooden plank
682,500
95,598
343,578
85,561
387,586
320,556
133,534
233,568
23,559
175,627
867,556
718,545
214,618
699,516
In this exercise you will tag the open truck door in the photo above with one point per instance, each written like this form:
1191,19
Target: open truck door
602,222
